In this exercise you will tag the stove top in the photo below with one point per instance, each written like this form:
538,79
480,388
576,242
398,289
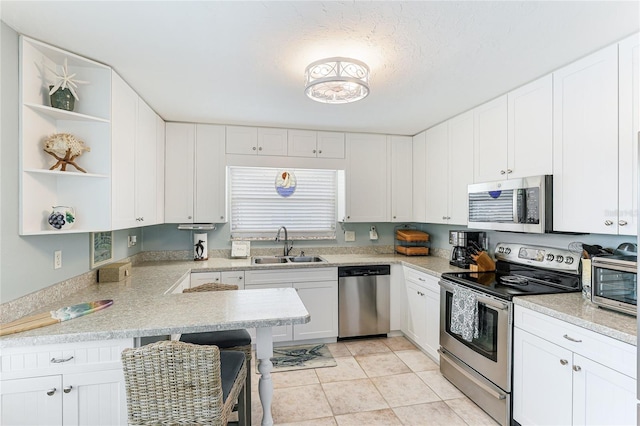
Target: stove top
517,275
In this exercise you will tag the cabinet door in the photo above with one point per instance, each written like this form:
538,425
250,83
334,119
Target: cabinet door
233,277
26,401
542,381
585,139
302,143
419,167
160,162
367,193
330,145
436,171
123,164
490,141
210,203
460,167
272,141
199,278
321,300
145,166
432,315
530,129
94,398
401,179
416,313
628,137
242,140
179,173
596,387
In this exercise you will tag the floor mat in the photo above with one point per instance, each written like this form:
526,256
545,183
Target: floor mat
287,358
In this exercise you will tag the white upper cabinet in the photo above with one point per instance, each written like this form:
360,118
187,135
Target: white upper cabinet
436,166
256,141
160,163
628,136
89,194
530,129
401,178
419,177
195,175
367,178
490,140
309,143
146,165
585,134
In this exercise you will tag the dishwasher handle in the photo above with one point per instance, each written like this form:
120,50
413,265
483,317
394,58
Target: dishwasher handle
364,271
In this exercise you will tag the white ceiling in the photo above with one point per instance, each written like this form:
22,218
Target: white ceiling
238,62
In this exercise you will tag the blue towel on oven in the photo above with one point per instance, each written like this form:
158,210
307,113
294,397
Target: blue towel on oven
464,314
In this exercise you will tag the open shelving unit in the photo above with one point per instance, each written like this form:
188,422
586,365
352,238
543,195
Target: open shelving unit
40,188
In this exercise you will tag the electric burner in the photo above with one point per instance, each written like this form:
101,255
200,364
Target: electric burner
514,280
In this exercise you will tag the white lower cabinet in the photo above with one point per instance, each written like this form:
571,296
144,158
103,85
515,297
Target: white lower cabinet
567,375
65,384
318,290
422,324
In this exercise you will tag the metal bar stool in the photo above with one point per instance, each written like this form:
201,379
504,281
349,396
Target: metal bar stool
172,382
228,340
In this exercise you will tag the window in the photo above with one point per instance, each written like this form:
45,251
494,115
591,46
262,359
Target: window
258,210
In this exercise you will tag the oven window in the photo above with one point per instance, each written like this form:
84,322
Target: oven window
615,285
487,342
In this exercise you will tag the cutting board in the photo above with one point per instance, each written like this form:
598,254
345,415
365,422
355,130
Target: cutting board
48,318
411,235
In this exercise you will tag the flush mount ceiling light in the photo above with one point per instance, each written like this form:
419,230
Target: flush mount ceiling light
337,80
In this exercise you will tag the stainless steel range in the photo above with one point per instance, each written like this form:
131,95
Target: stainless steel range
479,362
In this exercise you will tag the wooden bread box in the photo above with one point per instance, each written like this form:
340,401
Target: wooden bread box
114,272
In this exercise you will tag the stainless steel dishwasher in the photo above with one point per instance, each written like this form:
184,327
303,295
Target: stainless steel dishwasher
363,300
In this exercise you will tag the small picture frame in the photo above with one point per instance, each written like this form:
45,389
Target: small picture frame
101,248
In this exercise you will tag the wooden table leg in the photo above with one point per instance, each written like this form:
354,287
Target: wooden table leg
264,352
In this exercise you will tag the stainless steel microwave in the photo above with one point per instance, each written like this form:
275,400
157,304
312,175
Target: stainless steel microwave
516,205
614,282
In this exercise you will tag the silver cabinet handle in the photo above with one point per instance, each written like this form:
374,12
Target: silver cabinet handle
51,391
61,360
254,148
444,218
314,151
189,217
577,368
502,172
319,151
509,171
566,336
259,148
608,222
221,217
67,389
622,223
564,362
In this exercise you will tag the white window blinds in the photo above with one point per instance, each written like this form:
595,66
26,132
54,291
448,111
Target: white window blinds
258,210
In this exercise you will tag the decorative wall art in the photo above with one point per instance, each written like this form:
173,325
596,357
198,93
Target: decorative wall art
285,183
101,248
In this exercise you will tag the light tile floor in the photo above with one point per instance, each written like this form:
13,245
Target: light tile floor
383,381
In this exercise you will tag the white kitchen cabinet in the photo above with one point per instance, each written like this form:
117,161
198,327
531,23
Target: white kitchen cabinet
200,278
564,374
628,135
309,143
423,311
318,290
585,135
490,140
64,384
40,188
256,141
449,169
367,178
233,277
419,154
146,166
530,130
401,178
160,165
195,174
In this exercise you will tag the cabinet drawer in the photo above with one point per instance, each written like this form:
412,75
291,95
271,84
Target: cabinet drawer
62,357
430,282
267,276
610,352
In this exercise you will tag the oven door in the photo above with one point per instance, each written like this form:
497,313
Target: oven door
614,286
490,353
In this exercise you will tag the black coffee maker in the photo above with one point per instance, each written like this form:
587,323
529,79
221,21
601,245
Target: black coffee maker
464,243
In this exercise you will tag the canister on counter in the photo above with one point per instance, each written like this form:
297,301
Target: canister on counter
586,278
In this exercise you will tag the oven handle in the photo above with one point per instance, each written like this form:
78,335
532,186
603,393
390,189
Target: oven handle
447,285
454,364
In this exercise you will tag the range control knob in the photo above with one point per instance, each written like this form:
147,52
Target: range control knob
550,257
568,260
501,250
559,258
507,250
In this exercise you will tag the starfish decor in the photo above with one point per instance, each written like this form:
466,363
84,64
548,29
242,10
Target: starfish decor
65,81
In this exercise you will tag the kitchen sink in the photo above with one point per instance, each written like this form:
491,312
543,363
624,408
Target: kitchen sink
270,260
266,260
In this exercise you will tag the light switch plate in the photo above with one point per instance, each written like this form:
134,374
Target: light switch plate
349,236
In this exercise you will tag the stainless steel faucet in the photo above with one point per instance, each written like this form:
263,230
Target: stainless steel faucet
287,247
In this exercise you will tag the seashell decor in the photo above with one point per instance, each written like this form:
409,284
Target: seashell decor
65,148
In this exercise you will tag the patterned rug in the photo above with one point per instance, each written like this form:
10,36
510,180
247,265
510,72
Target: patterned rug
287,358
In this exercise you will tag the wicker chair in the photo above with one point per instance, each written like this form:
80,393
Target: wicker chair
228,340
171,382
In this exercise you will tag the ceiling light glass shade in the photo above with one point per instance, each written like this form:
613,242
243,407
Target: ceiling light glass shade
337,80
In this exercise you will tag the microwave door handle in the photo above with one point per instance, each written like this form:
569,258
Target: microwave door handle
520,205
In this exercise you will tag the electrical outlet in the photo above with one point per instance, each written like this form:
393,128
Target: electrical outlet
57,259
131,240
349,236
